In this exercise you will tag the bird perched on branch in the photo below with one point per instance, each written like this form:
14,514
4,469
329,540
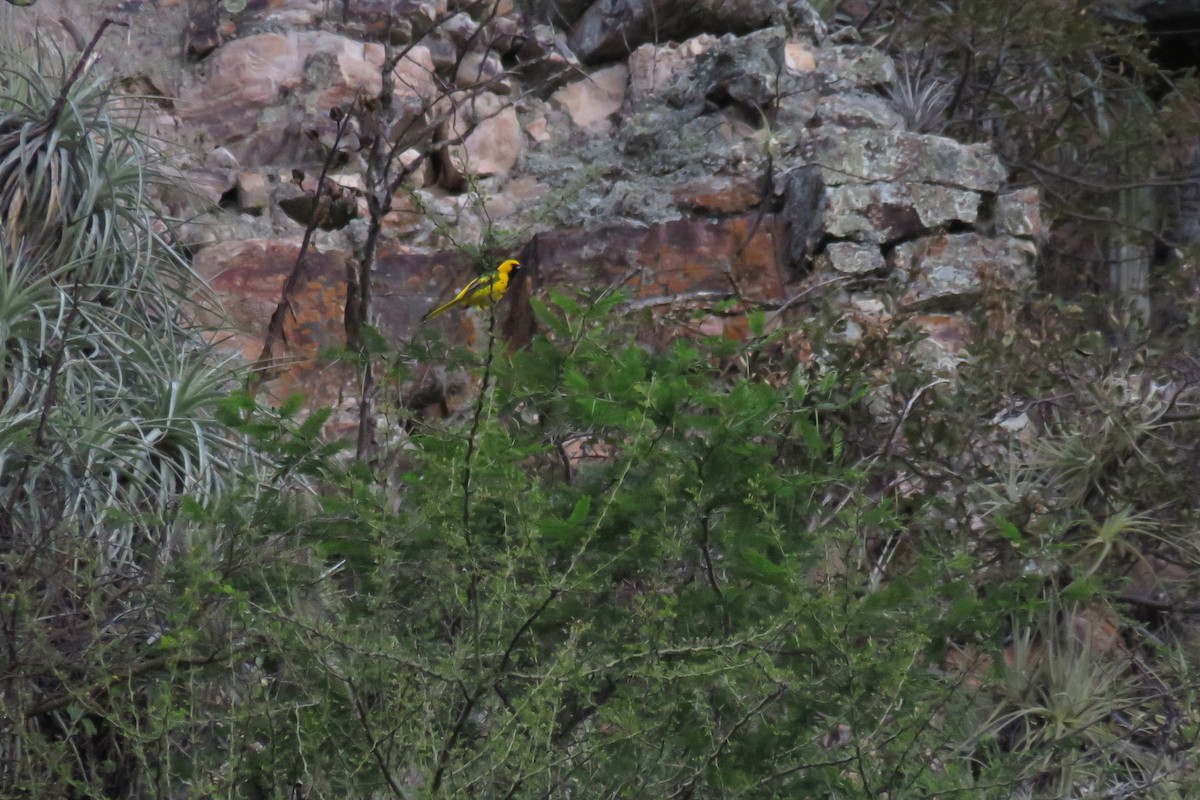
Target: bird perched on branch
483,291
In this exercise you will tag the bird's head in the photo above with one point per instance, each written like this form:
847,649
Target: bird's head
510,266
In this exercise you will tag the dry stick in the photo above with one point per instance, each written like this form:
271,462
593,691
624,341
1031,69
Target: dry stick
443,759
365,721
710,572
358,278
688,789
275,327
50,121
468,460
382,184
164,661
61,101
472,435
473,589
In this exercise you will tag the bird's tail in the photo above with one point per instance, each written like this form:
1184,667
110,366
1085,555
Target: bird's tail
442,309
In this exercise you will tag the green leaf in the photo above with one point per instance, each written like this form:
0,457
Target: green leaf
760,568
292,405
550,318
1010,532
757,322
1084,589
580,511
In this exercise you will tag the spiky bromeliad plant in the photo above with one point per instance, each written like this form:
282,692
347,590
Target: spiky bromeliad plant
106,396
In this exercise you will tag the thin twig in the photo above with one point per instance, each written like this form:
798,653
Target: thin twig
60,103
275,329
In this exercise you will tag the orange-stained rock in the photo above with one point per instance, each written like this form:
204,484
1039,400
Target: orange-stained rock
720,194
407,284
951,332
248,278
799,57
680,261
673,260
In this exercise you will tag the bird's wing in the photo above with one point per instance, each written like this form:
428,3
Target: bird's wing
479,286
477,289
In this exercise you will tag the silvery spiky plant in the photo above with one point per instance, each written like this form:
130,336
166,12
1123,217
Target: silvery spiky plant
106,386
921,96
107,399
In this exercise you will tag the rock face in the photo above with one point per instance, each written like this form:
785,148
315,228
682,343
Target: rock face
256,94
611,29
691,150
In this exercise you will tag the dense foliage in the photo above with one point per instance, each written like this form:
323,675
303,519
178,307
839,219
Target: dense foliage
630,577
803,563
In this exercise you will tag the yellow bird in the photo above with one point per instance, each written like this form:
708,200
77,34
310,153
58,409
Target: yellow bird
483,291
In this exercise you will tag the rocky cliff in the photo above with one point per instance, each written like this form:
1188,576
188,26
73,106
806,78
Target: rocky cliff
696,153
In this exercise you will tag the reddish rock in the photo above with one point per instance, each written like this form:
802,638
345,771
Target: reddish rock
246,72
1098,629
676,261
486,135
670,261
719,195
253,192
482,69
248,278
518,195
799,57
595,98
259,89
404,218
413,76
406,285
950,332
537,130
